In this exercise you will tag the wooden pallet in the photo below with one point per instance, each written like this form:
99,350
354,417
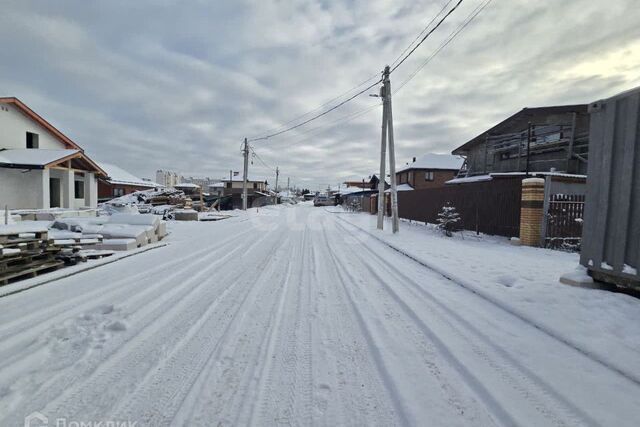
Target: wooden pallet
13,238
33,271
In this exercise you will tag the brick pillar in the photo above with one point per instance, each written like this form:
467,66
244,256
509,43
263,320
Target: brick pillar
531,211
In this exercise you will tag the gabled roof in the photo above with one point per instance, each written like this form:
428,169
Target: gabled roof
117,175
434,161
30,157
41,121
66,141
520,120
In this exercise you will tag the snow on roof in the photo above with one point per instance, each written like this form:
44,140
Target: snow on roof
477,178
434,161
33,156
216,185
118,175
489,177
239,178
401,187
186,185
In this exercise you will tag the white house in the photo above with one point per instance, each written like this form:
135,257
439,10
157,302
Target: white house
40,167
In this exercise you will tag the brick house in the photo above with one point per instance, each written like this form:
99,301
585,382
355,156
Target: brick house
119,182
428,171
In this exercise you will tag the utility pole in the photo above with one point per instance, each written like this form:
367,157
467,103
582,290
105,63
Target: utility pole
245,152
383,160
288,187
275,201
387,130
528,147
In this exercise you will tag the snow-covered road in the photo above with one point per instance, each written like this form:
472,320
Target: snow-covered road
291,316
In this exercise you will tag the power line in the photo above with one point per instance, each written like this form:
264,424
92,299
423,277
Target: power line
317,116
320,107
427,35
260,159
422,32
448,40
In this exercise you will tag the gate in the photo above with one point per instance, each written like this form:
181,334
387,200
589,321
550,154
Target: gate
564,221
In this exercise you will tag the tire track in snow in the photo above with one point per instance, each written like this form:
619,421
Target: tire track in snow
382,370
204,401
541,395
630,376
73,306
192,358
266,376
134,355
34,352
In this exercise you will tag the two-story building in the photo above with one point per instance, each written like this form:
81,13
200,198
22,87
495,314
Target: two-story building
538,139
428,171
40,167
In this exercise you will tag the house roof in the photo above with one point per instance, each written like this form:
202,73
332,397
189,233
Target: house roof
401,187
68,143
186,185
17,157
240,179
117,175
520,120
41,121
434,161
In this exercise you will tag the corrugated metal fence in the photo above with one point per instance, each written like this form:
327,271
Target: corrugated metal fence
491,207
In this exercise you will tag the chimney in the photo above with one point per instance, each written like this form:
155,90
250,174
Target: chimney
414,160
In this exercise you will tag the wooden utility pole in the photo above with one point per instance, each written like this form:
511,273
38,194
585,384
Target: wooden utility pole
245,153
275,199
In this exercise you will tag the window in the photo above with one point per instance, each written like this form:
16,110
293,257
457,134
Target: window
32,140
228,185
79,189
117,192
428,176
255,185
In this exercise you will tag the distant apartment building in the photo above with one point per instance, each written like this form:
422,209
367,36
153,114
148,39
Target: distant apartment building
167,178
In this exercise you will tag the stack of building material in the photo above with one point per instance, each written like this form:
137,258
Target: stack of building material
75,246
25,251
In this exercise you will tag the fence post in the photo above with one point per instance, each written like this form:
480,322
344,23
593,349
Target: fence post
531,211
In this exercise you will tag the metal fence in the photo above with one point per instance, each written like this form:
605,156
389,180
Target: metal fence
564,221
491,207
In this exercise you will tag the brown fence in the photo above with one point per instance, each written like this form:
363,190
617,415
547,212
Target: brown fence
491,207
564,220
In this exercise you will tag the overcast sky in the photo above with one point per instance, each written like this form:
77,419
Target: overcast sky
177,85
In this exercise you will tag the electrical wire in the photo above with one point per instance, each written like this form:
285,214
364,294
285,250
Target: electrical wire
448,40
421,32
320,107
427,35
317,116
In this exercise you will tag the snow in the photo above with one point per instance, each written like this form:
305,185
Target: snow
627,269
22,228
118,175
477,178
434,161
186,185
401,187
33,157
295,315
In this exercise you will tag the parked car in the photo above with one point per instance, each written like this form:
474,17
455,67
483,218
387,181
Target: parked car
322,199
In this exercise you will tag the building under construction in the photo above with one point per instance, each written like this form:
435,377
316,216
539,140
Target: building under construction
539,139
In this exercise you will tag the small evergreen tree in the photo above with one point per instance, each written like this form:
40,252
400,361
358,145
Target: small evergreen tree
448,220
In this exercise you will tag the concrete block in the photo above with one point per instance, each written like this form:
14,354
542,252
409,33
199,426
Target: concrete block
117,244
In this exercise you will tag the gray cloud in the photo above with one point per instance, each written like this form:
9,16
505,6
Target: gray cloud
171,85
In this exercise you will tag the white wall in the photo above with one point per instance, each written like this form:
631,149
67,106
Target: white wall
15,126
29,190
